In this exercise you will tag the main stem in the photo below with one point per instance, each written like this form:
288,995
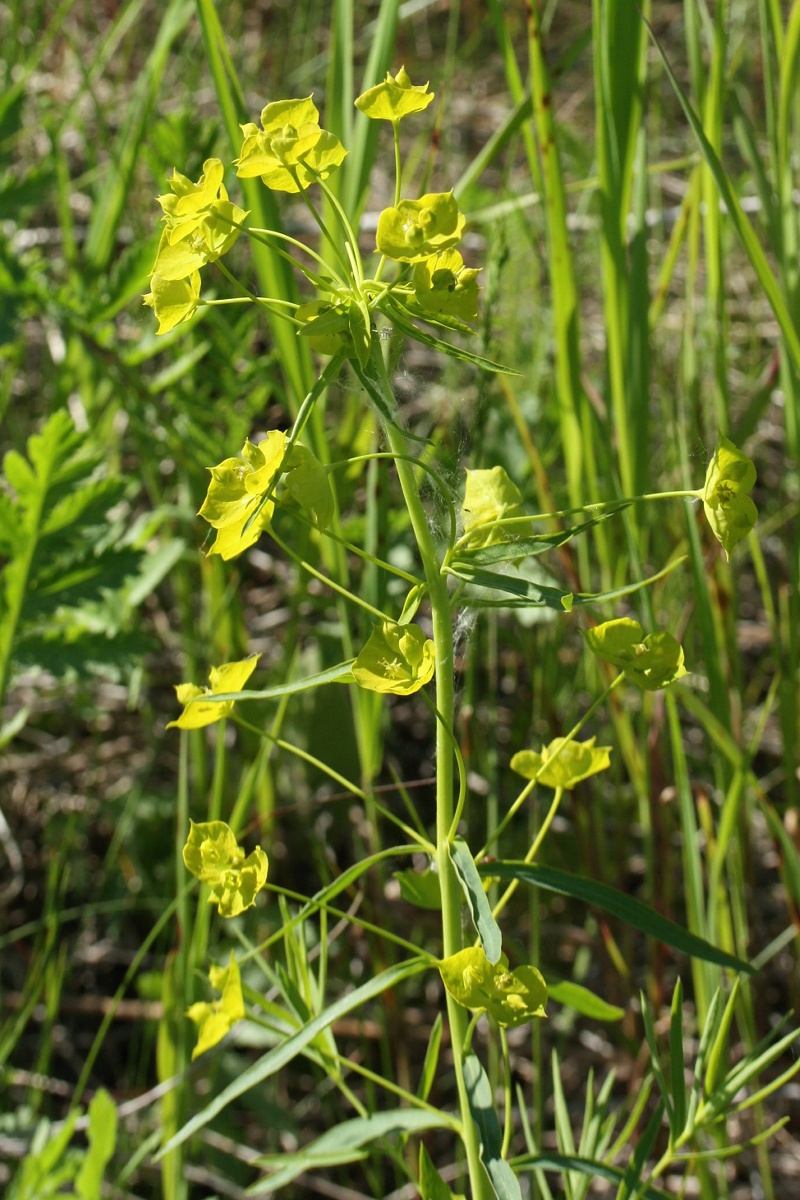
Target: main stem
445,787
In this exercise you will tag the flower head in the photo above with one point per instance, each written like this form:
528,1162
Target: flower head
443,286
563,763
511,997
290,151
395,98
197,711
200,223
651,662
396,658
213,856
237,503
729,510
416,229
218,1017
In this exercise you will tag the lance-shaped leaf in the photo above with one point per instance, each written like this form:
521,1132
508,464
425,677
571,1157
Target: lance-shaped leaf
235,503
431,1184
217,1017
396,658
395,98
199,711
489,496
729,510
173,300
416,229
511,997
290,151
563,763
483,1112
213,856
486,926
651,662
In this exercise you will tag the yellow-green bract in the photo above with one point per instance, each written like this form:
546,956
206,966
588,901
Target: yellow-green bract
511,997
290,151
201,224
213,856
197,712
416,229
235,502
489,496
395,98
396,658
651,662
173,300
443,286
729,510
216,1018
563,763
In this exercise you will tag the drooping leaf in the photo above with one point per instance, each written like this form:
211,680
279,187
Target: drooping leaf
626,908
420,888
481,910
345,1143
574,995
481,1106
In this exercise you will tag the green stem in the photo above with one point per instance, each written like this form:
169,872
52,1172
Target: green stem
445,776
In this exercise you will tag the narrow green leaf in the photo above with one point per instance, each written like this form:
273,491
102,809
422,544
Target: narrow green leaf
676,1061
632,1185
431,1184
481,1105
282,1054
627,908
431,1059
562,1163
655,1058
528,547
718,1053
575,996
344,1144
480,909
102,1139
339,674
413,331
